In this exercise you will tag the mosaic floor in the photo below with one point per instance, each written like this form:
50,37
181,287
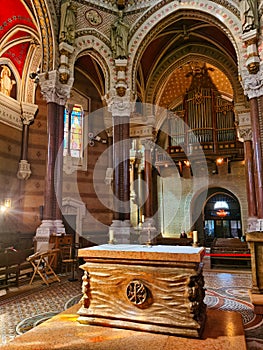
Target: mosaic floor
224,291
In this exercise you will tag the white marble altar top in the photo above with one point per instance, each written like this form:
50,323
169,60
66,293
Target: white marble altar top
135,251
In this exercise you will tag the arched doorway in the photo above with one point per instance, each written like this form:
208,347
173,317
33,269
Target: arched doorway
222,216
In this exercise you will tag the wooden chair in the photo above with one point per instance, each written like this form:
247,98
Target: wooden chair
42,264
69,261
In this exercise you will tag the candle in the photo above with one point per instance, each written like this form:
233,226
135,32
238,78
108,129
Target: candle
111,235
195,236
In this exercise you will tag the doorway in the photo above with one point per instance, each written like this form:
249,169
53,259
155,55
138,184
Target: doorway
222,217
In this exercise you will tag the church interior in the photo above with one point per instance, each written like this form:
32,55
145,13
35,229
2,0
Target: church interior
131,173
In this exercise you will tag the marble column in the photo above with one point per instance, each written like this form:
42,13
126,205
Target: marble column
148,232
257,155
246,135
253,88
120,105
109,172
59,163
56,94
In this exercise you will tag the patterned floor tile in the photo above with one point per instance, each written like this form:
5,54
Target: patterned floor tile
224,291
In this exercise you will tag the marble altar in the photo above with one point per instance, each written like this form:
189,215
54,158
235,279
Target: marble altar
148,288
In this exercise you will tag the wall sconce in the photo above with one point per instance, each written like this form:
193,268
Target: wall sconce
219,161
187,163
5,205
92,139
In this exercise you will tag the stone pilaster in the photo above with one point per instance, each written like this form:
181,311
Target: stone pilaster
27,116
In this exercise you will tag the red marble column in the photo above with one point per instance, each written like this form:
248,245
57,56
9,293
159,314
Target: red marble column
49,192
59,161
148,179
254,112
121,168
250,183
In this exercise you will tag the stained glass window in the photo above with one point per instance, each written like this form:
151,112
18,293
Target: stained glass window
73,132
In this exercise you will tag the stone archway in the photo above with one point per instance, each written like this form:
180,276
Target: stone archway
209,224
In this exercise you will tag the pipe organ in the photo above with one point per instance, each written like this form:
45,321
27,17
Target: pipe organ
205,120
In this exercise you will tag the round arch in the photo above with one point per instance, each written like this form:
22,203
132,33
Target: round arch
186,54
216,221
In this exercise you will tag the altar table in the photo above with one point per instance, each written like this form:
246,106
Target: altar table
148,288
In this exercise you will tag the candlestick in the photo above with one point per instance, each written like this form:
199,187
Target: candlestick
111,236
195,237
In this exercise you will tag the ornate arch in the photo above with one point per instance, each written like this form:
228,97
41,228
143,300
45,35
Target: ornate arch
185,54
157,18
48,26
100,50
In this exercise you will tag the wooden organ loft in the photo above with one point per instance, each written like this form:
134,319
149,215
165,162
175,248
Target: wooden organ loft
203,124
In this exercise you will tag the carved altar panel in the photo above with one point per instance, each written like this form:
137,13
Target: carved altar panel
142,288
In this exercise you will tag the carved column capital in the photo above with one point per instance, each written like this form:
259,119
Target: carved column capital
120,106
28,112
253,85
52,89
148,144
246,134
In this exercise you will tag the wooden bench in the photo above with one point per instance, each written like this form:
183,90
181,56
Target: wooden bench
14,267
229,252
160,240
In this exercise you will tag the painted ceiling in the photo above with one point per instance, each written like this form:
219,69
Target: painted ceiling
18,27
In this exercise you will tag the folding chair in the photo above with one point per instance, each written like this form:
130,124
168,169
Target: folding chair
42,264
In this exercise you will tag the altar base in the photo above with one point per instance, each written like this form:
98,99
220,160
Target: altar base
147,288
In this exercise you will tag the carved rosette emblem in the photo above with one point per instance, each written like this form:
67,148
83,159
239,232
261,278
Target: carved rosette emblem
137,292
93,17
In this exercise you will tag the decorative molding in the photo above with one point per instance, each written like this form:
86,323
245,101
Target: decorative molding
10,111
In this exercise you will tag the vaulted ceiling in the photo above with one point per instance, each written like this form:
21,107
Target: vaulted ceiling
161,71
